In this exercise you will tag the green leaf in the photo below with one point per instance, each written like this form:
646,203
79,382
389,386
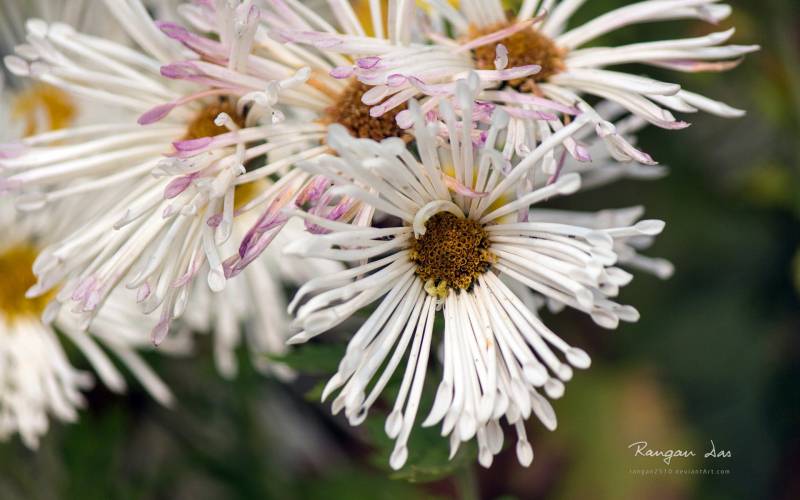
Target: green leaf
770,185
354,484
313,359
314,394
428,452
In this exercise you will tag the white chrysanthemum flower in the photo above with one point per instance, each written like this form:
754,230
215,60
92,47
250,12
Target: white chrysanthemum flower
35,108
456,233
178,212
37,380
556,67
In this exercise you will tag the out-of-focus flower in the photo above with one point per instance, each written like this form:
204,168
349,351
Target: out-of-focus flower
40,107
452,229
37,379
72,12
187,174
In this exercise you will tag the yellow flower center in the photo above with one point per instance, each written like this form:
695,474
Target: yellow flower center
42,108
363,11
203,124
15,268
525,47
245,193
452,253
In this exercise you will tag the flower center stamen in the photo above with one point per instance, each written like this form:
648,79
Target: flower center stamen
352,113
43,107
452,253
15,268
203,124
525,47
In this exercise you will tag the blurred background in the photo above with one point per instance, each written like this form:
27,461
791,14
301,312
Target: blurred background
715,356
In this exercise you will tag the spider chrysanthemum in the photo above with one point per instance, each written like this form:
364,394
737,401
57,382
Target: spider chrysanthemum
532,62
37,379
451,238
188,161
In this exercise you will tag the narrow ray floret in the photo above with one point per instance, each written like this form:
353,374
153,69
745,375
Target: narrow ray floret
600,170
535,64
196,160
630,238
37,379
450,239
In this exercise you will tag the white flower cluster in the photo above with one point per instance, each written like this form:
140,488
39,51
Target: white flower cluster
389,156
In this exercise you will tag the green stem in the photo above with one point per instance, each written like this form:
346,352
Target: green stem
467,483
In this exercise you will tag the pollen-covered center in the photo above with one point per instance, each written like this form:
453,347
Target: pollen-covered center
15,268
350,112
452,253
203,125
43,107
525,47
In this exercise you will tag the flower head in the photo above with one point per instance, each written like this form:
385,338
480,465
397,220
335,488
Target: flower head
449,239
37,379
532,65
186,161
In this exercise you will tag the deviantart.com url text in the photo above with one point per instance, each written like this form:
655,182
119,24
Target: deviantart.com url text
658,471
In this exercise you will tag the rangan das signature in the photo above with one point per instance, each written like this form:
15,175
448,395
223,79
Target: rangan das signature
640,449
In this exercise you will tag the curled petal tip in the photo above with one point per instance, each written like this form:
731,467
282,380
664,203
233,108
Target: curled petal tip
156,114
159,332
192,144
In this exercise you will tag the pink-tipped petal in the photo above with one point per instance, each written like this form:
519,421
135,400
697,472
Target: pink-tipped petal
368,62
178,185
215,220
179,70
156,114
396,79
173,30
8,185
159,332
11,150
143,293
342,72
193,144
